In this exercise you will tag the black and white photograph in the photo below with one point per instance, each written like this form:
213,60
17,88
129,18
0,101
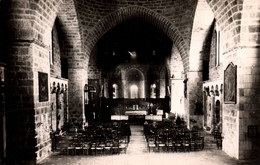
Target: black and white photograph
129,82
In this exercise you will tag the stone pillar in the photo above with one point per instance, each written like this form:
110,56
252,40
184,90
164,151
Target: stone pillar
194,93
248,103
142,89
20,106
106,88
2,116
27,104
66,104
124,89
177,96
76,96
162,88
205,96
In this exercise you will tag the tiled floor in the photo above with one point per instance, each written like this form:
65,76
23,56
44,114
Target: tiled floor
137,154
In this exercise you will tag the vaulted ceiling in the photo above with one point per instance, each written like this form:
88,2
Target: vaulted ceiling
149,43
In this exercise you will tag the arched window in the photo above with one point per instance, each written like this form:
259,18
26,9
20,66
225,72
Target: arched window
217,48
115,91
133,91
153,91
217,111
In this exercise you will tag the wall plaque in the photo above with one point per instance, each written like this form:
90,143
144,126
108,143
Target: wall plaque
230,84
43,86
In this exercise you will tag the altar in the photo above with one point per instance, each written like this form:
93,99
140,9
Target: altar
135,112
153,117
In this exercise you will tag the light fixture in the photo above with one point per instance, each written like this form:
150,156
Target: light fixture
133,54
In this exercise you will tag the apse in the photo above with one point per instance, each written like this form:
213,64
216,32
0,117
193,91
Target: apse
133,41
133,48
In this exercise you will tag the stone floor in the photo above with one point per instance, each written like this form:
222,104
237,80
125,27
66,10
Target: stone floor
137,154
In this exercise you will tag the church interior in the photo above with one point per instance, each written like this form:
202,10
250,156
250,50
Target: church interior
89,70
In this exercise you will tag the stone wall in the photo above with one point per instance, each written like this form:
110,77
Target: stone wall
30,26
175,64
20,105
94,71
71,48
58,103
106,15
228,16
215,67
42,108
239,39
213,92
2,112
55,53
248,112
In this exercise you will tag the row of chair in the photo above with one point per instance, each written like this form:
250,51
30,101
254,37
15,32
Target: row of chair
115,146
172,137
99,138
176,145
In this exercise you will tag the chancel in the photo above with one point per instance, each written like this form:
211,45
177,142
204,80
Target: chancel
129,82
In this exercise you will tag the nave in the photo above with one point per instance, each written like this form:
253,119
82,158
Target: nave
137,154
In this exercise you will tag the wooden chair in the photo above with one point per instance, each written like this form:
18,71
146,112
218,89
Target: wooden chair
108,147
151,144
123,145
219,142
186,144
93,148
86,148
199,143
161,144
71,149
78,150
178,145
115,147
100,148
169,144
192,144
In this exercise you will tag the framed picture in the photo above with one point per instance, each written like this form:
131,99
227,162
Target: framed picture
230,84
43,86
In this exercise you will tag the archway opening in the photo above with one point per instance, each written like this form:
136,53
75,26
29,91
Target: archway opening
217,112
133,91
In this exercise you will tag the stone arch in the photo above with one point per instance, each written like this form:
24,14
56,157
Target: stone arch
144,14
201,28
68,20
135,69
72,48
217,112
41,19
175,64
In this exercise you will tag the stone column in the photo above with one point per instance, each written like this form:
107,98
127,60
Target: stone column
177,96
194,93
106,88
142,89
246,111
76,96
124,89
27,103
162,88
